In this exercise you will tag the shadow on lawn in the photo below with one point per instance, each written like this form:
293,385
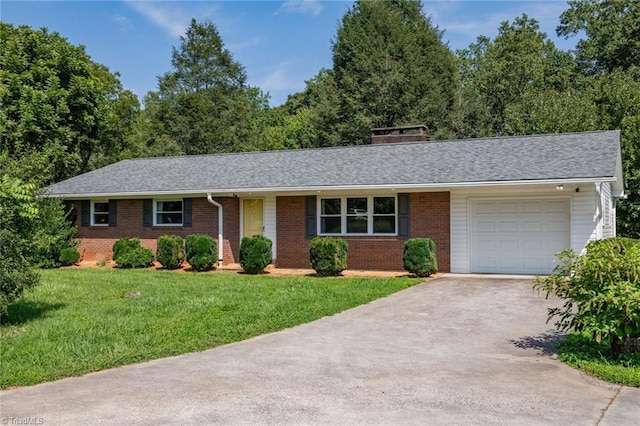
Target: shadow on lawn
21,311
546,343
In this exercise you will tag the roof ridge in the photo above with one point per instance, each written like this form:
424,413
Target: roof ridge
371,146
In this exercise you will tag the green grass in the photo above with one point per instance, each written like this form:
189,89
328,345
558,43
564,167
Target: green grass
78,320
595,358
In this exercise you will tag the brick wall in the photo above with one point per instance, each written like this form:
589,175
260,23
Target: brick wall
429,216
96,241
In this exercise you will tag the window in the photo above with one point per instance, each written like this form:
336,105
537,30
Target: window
384,215
330,218
99,213
168,212
358,215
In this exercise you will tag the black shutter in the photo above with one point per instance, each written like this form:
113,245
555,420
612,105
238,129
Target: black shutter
85,213
186,212
147,212
113,212
403,216
311,216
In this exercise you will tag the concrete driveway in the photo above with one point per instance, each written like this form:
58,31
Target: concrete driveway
452,351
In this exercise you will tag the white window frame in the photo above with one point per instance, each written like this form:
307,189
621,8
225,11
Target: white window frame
93,212
155,211
343,215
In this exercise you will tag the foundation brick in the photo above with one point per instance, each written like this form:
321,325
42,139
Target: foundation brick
96,242
429,216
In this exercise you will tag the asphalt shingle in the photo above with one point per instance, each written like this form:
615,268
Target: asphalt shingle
588,155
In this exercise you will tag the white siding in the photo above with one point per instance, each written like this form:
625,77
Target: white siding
459,233
584,219
608,211
270,221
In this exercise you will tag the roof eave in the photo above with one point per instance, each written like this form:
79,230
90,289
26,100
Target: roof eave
397,187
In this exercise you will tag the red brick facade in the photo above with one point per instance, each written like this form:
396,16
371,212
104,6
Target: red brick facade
96,241
429,216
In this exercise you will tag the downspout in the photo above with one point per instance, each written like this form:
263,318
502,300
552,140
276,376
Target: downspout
220,220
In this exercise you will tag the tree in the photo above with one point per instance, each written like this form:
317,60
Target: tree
18,208
612,28
618,104
56,102
314,113
203,104
390,68
521,61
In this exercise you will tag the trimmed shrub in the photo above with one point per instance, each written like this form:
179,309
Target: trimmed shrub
170,252
129,253
138,257
69,256
419,257
255,254
601,290
202,252
328,256
123,245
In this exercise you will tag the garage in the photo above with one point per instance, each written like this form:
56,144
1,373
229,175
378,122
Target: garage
518,236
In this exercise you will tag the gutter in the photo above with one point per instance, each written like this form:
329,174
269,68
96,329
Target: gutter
220,222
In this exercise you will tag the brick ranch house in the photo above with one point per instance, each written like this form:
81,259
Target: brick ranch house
492,205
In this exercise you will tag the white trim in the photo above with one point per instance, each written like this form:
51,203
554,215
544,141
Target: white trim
155,212
306,189
92,219
344,215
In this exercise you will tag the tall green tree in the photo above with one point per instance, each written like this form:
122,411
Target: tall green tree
612,29
18,209
390,68
319,104
56,102
203,105
520,61
617,100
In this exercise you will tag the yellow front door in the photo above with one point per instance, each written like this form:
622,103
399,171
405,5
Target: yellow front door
252,217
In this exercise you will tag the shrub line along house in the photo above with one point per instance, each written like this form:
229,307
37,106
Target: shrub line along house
492,205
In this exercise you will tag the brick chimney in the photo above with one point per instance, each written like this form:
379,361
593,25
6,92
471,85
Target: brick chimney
415,133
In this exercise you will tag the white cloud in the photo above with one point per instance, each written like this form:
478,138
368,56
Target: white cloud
171,17
122,22
280,79
312,7
462,28
244,44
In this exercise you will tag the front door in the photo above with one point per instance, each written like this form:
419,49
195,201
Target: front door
252,217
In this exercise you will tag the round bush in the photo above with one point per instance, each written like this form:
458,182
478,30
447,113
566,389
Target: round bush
328,255
69,256
419,257
170,252
202,252
255,254
138,257
123,245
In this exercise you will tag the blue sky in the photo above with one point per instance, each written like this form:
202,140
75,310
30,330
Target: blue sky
280,43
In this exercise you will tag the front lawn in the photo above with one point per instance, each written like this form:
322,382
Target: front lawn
80,320
595,358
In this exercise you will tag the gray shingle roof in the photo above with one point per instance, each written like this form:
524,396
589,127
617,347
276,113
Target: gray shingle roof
589,155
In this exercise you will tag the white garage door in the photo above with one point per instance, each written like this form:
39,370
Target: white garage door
518,236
